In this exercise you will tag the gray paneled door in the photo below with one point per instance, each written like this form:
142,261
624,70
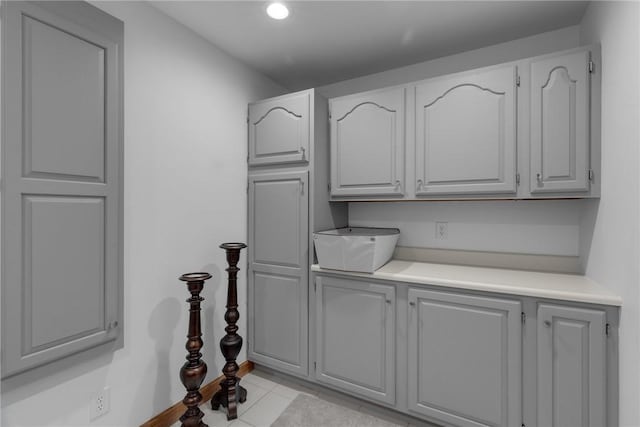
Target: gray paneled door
278,270
355,337
61,169
465,358
279,130
571,366
466,133
368,143
560,123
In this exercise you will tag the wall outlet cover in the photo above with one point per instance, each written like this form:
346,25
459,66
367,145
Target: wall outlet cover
100,404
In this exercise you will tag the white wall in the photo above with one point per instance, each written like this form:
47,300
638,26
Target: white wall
185,175
539,44
532,227
611,228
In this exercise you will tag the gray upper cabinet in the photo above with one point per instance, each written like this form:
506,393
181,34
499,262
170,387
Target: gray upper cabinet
464,358
477,134
466,133
279,130
560,123
278,269
62,176
367,144
571,366
355,337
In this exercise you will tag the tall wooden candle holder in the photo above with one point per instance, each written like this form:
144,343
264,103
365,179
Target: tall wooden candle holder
231,392
194,370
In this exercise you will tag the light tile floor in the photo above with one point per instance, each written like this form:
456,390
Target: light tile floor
268,395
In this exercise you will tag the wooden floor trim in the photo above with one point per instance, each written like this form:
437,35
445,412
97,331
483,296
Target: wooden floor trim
170,415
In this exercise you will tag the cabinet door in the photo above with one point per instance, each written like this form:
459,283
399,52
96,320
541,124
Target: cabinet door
367,144
466,133
279,130
560,123
464,358
62,181
278,270
355,337
571,367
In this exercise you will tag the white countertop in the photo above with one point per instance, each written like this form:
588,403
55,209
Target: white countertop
568,287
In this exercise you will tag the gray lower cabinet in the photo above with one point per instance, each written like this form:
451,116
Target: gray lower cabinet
464,358
571,366
62,182
461,353
355,337
278,270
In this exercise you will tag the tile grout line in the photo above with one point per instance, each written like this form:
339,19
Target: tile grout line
251,406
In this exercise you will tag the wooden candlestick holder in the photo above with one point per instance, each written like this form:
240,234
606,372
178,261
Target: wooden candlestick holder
231,393
194,370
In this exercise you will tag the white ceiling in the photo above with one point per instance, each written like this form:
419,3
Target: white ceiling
329,41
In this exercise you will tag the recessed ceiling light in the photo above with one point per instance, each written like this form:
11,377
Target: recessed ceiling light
277,11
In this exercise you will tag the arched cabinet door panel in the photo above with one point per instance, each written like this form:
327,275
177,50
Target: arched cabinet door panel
367,144
279,130
560,123
466,133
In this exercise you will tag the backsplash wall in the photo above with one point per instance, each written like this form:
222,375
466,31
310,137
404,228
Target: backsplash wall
547,227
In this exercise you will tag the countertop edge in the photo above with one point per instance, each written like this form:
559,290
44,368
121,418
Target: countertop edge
603,296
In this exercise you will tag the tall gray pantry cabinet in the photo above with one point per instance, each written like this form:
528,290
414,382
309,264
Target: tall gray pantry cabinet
288,199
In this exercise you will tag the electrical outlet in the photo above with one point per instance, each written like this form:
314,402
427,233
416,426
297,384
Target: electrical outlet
100,404
442,230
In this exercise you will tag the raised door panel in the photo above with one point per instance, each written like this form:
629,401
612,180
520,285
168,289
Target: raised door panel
571,367
61,66
464,358
278,221
278,270
466,133
63,270
279,130
62,175
278,319
356,337
367,144
560,123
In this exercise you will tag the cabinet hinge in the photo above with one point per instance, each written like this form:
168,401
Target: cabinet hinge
247,187
247,119
591,175
523,317
314,366
591,66
607,329
329,186
517,179
518,80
